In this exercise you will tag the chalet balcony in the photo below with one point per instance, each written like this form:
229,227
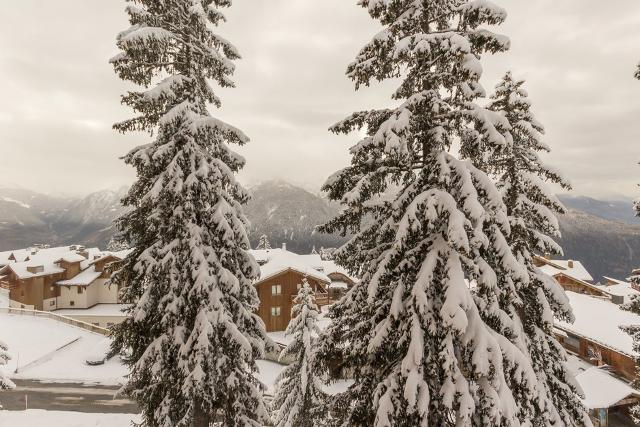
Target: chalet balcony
4,284
321,299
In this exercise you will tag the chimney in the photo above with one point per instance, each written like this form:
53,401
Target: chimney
83,253
284,246
570,263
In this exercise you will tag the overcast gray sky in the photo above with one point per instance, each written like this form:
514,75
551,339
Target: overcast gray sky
60,95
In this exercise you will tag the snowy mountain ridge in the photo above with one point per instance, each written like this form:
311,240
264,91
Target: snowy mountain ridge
603,234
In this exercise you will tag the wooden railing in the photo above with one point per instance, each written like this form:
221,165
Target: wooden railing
321,299
6,285
58,318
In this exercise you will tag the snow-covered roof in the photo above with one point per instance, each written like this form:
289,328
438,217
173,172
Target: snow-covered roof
97,310
20,269
602,390
84,278
276,261
314,260
48,259
621,289
560,266
331,267
336,284
600,320
106,254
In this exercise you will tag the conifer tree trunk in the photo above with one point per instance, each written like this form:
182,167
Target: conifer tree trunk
200,417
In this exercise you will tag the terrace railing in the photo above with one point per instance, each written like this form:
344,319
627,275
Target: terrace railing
58,318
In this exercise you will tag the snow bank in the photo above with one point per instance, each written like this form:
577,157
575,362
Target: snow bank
34,417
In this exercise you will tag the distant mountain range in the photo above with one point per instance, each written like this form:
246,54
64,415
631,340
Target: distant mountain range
27,217
604,235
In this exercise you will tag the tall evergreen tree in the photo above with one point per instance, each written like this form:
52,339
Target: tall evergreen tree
298,398
5,382
192,337
531,209
411,330
264,242
634,330
634,306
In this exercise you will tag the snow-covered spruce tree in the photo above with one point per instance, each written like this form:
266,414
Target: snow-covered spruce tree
634,331
634,307
192,337
299,396
116,244
5,382
411,331
264,242
531,208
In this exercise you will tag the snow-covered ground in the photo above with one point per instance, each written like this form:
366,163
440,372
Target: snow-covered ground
37,346
35,417
34,343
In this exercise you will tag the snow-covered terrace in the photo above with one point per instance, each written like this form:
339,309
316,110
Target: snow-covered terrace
48,350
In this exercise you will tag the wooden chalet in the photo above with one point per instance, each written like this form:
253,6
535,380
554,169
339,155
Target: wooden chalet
282,273
571,275
64,277
595,335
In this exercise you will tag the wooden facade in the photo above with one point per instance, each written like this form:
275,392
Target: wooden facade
276,297
34,291
579,286
595,353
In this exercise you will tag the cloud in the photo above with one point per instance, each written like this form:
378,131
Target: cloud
60,95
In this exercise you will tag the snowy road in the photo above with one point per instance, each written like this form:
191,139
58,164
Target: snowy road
66,397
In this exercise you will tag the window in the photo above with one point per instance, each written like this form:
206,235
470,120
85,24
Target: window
572,341
72,303
79,289
276,289
275,311
52,303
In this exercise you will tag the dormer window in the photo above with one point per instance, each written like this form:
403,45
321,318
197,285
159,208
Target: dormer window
35,269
